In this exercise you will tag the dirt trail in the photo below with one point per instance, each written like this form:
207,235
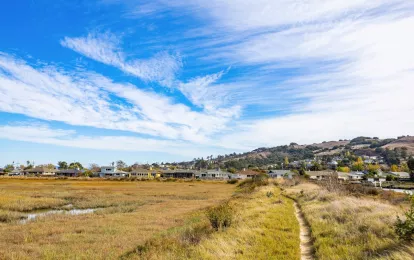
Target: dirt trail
306,246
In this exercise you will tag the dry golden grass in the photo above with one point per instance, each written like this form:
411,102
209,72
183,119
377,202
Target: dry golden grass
262,228
348,227
132,213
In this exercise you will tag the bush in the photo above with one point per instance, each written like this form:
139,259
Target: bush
194,234
249,185
220,216
405,228
232,181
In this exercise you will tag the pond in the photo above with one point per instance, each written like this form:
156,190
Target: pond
33,216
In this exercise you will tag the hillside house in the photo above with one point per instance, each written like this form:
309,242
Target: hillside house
401,175
325,175
333,165
356,176
281,174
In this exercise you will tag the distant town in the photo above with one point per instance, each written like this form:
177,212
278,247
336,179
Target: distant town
362,159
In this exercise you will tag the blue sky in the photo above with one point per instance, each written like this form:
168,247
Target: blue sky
98,81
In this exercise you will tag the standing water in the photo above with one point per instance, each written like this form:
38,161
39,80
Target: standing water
33,216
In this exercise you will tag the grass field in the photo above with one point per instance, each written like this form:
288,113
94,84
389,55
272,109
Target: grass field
264,227
129,214
350,227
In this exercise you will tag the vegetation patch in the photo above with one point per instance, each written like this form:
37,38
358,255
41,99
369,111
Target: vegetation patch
404,227
220,216
132,213
349,227
260,229
10,216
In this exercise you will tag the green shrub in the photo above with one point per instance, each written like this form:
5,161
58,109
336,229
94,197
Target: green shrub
194,234
269,194
405,228
220,216
232,181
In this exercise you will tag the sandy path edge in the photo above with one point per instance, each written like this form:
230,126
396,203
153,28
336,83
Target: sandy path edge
306,245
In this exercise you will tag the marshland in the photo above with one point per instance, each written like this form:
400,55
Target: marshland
189,219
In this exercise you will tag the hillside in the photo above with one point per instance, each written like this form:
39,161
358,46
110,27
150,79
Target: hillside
391,151
407,142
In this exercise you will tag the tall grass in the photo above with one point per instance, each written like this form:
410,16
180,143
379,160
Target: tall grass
347,226
220,216
261,229
132,213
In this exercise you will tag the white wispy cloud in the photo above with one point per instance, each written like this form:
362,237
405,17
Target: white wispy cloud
204,92
337,69
106,48
43,134
84,99
351,60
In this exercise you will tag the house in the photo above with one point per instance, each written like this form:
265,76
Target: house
294,164
16,172
401,175
112,171
42,171
178,174
319,175
142,173
355,176
333,165
70,172
324,175
281,174
212,174
244,174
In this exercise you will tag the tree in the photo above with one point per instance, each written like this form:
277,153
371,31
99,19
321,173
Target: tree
390,178
410,164
373,168
404,167
8,168
358,165
232,170
94,167
62,165
121,164
316,167
344,169
394,168
75,165
286,162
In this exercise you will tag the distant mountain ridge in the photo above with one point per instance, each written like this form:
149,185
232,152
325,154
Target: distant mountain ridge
393,150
